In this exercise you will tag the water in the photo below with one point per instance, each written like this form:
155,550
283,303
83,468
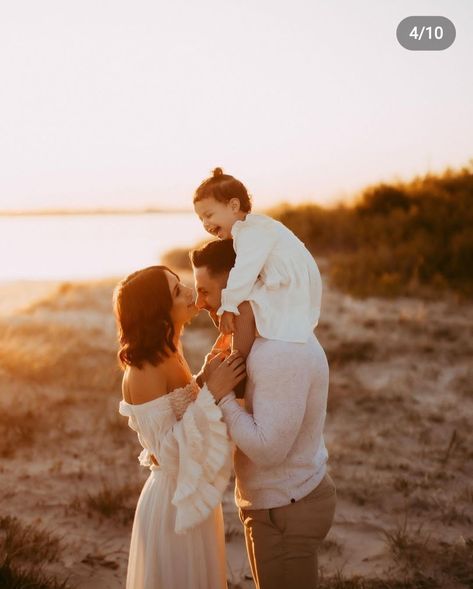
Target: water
78,247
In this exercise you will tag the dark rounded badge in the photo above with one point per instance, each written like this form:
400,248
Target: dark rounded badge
426,33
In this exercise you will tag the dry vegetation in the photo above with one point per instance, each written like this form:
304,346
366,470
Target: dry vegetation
395,239
24,551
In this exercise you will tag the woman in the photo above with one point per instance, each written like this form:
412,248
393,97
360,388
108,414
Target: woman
178,536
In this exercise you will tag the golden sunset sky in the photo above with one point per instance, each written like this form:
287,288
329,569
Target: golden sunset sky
131,104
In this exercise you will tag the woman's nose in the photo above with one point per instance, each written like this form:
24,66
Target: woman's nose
190,294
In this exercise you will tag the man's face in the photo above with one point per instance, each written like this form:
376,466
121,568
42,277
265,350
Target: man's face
209,290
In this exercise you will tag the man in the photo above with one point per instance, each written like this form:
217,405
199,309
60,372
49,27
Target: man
285,497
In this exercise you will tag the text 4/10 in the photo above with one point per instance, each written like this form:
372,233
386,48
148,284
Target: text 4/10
430,32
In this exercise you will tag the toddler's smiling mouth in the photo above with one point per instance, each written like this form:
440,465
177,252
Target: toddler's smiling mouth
215,230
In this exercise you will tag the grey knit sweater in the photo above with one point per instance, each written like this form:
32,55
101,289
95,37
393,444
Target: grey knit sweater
280,455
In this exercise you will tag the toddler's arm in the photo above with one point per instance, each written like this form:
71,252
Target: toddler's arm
252,246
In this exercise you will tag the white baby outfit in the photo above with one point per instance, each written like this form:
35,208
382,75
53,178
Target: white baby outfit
276,273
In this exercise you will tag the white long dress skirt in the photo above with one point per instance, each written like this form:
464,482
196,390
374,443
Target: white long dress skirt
178,538
160,558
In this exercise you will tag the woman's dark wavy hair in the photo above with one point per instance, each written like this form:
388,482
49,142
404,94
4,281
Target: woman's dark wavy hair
142,304
223,187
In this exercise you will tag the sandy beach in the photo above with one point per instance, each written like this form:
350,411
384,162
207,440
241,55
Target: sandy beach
398,433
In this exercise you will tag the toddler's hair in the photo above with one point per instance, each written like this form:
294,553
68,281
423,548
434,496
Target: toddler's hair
223,187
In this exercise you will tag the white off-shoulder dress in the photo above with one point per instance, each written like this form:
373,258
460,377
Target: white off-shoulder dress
178,539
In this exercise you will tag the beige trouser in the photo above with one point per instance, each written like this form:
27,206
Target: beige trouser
282,542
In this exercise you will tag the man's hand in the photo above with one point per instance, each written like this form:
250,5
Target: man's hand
227,325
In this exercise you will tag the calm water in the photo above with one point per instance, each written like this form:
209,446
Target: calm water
90,246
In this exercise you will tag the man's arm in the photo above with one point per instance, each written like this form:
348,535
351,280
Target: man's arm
281,378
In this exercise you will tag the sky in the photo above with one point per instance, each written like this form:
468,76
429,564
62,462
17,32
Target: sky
121,104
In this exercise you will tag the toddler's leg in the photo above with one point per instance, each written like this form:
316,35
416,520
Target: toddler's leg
243,338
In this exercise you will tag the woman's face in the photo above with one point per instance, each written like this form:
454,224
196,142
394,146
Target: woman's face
183,306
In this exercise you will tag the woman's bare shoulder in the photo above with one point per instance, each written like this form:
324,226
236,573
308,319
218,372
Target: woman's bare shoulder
140,385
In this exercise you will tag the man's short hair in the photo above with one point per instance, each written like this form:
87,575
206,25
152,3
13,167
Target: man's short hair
217,256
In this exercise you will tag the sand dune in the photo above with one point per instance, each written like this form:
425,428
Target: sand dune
398,432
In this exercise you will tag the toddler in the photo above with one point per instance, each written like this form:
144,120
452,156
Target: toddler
273,269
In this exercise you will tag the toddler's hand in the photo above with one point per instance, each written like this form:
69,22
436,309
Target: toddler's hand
226,324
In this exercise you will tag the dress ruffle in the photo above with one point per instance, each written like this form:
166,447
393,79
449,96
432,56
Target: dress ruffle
204,462
193,448
145,458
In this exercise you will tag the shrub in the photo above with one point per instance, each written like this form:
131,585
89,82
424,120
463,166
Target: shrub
400,239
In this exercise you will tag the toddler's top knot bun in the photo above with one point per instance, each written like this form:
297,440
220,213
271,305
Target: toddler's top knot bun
223,188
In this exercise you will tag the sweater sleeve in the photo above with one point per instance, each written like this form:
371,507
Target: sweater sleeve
252,245
281,384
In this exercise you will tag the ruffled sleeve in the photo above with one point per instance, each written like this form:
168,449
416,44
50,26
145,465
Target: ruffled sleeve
204,461
185,431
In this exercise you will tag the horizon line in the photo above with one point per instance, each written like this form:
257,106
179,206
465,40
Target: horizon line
95,211
137,211
346,200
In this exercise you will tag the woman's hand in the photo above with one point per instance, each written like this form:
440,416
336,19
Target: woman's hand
211,363
221,346
226,374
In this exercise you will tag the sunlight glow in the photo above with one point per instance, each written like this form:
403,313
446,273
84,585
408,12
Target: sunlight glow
131,105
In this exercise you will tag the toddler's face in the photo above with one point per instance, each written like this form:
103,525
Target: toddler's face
218,217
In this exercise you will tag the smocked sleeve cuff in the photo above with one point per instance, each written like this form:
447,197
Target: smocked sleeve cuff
224,400
204,462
